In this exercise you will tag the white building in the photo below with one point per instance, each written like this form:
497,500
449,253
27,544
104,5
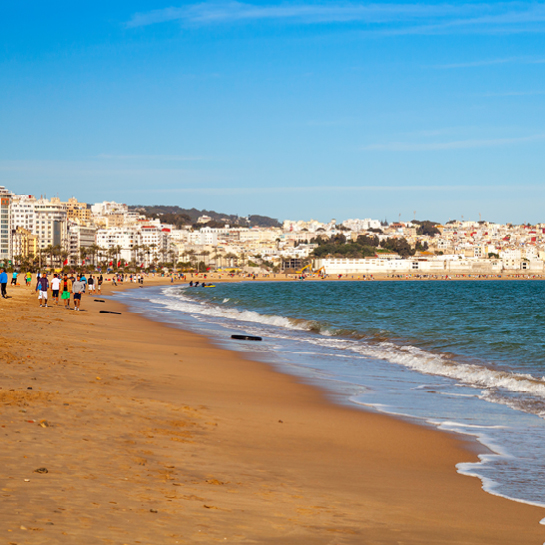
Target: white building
511,254
108,207
531,253
47,219
51,224
79,236
123,238
311,226
437,265
203,238
157,239
5,224
299,252
23,212
358,225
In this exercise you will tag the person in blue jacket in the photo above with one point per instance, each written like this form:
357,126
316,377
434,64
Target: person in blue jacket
3,282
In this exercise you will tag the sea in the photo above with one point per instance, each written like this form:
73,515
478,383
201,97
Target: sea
462,356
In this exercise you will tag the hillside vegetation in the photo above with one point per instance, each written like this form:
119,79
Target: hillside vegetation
188,216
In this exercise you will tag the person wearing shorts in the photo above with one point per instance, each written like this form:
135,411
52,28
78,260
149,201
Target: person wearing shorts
28,278
91,283
66,291
78,287
55,287
41,287
99,283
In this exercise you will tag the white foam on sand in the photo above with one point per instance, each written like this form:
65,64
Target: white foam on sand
470,469
411,357
489,382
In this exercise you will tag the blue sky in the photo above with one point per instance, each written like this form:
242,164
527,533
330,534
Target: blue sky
294,110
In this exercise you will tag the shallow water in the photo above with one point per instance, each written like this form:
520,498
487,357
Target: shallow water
464,356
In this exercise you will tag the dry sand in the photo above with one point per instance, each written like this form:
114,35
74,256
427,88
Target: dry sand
151,435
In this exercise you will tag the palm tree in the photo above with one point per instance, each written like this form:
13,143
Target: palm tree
153,248
136,250
172,255
56,253
147,251
64,255
94,249
191,254
111,256
101,254
49,251
83,253
117,250
217,254
39,257
231,257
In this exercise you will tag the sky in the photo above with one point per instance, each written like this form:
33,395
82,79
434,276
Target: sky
295,110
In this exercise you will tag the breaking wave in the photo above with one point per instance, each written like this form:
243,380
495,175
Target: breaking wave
495,382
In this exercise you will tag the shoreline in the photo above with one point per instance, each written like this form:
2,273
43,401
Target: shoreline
278,277
483,444
325,474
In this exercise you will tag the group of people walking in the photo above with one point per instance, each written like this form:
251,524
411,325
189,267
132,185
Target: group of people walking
63,286
66,287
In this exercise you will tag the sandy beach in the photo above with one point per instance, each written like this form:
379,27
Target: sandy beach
142,433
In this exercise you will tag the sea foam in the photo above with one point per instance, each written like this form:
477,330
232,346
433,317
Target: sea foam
411,357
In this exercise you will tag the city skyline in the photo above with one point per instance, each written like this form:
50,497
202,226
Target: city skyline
305,110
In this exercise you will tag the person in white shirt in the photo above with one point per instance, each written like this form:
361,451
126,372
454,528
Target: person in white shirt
55,287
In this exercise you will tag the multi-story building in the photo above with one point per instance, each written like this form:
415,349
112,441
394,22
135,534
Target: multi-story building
361,225
23,212
51,223
5,224
157,239
203,238
79,236
46,219
109,207
78,211
23,244
110,214
124,239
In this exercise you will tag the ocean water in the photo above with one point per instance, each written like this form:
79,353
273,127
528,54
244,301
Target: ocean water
468,357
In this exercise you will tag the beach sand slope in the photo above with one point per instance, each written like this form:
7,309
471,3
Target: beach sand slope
143,433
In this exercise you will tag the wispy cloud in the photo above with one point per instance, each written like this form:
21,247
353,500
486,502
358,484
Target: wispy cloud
513,94
489,62
452,145
394,18
229,12
341,122
474,64
150,157
332,189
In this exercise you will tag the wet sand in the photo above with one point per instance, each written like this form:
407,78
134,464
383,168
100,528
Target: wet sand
152,435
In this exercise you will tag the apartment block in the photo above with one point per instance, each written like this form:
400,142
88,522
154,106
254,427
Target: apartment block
5,224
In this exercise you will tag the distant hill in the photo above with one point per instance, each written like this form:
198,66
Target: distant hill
184,216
